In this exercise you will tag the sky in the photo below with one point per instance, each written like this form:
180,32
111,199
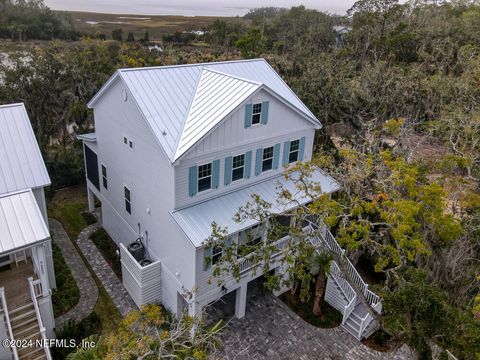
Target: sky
192,7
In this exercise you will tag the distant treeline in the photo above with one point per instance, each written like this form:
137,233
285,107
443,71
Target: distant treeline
32,20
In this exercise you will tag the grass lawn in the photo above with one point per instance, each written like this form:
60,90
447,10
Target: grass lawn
331,317
66,295
109,249
67,206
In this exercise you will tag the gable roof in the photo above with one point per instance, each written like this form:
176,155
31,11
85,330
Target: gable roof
21,163
183,103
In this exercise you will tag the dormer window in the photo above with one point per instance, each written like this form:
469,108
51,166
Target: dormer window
256,113
204,177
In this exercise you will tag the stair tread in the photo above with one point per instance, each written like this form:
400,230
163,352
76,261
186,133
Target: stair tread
351,330
27,321
26,330
20,308
23,316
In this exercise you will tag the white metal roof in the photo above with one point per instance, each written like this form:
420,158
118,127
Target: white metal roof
196,221
217,95
21,163
165,95
21,222
90,137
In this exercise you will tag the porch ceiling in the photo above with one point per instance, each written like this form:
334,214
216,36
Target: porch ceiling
21,222
196,221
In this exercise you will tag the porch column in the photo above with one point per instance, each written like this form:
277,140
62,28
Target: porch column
38,255
282,273
91,200
241,301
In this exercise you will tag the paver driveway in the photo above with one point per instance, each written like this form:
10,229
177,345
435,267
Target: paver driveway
270,330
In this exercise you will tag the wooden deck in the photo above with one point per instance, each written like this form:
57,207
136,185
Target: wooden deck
15,282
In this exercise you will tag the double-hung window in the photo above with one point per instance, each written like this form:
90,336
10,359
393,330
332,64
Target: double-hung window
267,162
217,253
104,177
128,200
256,113
294,151
204,177
238,166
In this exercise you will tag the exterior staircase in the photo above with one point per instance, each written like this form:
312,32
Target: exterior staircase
346,291
26,329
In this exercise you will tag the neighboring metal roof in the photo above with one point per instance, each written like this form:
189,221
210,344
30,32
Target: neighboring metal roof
21,163
217,95
90,137
165,94
196,221
21,221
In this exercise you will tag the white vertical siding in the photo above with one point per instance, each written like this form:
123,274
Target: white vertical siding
231,138
147,172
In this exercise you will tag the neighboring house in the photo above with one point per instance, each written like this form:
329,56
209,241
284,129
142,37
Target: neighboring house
340,33
26,273
176,148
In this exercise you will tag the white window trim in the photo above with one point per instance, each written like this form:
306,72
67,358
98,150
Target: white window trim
297,151
260,113
102,165
273,156
125,199
211,178
243,166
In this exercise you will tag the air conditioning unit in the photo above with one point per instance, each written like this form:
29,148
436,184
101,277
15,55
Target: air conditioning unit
137,250
145,262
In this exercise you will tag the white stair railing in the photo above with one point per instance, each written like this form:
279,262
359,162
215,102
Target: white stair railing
35,291
3,303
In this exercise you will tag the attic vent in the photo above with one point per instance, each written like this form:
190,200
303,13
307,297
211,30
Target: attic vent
124,95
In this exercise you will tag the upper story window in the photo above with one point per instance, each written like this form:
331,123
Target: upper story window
217,254
128,200
238,166
267,161
104,177
128,142
294,151
256,113
204,177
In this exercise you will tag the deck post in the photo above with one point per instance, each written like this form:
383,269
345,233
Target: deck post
241,301
91,200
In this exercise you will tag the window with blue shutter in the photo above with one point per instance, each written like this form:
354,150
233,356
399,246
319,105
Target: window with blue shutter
276,156
265,112
286,153
207,258
301,150
258,161
228,170
248,164
215,174
192,181
248,115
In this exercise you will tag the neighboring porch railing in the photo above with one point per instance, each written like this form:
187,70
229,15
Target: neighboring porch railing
35,292
3,303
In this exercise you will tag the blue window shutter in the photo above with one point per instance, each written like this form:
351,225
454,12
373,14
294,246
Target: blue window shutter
192,181
228,170
276,156
258,161
248,165
215,174
301,148
265,112
248,115
286,153
207,258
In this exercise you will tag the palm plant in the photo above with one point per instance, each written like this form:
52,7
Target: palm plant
320,267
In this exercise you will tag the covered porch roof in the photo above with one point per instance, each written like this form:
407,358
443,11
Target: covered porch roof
196,221
21,222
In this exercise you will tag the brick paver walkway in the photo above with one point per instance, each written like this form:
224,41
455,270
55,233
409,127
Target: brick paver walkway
104,272
270,330
86,284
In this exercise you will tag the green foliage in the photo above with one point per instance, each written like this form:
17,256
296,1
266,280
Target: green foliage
117,34
66,295
130,37
251,44
31,19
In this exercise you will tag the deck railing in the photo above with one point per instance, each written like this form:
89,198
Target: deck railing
35,289
4,308
250,261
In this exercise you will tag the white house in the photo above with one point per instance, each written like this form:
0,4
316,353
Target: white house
178,147
26,265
